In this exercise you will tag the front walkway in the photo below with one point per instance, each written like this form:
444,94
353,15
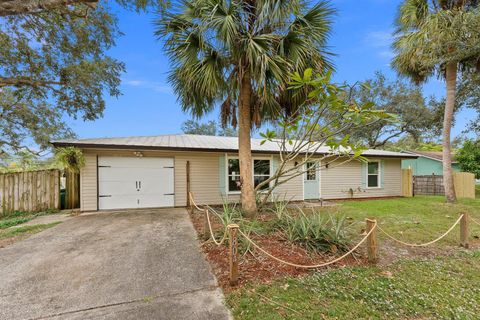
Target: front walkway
143,264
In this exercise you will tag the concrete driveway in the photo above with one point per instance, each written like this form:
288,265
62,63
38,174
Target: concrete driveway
143,264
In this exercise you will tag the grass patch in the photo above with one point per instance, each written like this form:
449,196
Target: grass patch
26,230
477,191
417,219
7,223
442,288
19,217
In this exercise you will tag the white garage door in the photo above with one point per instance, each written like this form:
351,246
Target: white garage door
135,182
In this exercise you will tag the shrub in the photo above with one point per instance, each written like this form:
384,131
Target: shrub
318,232
279,207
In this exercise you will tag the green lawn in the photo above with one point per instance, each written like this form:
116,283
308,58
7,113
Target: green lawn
417,219
414,288
442,288
26,230
477,191
19,217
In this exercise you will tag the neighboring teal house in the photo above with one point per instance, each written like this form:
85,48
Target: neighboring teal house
427,163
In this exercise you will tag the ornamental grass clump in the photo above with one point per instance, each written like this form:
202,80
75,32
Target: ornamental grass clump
317,232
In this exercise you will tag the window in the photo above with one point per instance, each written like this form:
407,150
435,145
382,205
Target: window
311,171
233,175
261,172
373,175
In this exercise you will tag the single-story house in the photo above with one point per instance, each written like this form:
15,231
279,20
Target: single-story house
140,172
427,163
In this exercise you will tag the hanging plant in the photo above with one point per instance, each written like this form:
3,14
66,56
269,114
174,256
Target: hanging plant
70,158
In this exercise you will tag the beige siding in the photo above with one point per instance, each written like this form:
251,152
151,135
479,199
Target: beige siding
336,181
204,178
292,189
88,183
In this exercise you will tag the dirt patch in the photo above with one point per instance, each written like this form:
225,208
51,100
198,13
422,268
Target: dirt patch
255,266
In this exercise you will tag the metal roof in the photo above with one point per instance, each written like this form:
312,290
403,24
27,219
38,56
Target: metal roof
434,155
198,143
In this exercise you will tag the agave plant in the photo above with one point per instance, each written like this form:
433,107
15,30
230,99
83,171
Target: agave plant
317,232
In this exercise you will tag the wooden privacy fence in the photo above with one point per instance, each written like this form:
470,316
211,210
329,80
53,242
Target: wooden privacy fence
72,190
407,182
431,185
464,183
30,191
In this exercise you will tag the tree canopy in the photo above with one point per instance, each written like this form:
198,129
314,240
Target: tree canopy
54,63
469,157
415,116
439,37
240,55
210,128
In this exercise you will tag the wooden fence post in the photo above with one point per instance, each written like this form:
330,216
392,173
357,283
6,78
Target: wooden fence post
190,203
187,168
233,253
206,229
464,231
372,241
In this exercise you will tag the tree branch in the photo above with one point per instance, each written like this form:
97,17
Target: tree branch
24,81
16,7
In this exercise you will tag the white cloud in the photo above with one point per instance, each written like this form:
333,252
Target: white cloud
381,41
152,85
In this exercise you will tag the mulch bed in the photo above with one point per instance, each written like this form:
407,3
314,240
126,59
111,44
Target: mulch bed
255,267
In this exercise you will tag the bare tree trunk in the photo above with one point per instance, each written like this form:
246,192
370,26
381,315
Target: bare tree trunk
249,205
451,80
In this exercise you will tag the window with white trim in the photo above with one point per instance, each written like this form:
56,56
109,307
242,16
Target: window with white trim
311,172
261,172
233,175
373,175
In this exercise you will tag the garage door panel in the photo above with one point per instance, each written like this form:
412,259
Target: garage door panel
135,162
118,177
118,202
117,188
118,174
147,201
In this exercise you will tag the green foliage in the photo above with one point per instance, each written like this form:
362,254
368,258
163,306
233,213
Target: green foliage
279,207
432,33
416,118
26,230
70,158
329,117
213,44
7,223
469,157
207,129
54,62
317,231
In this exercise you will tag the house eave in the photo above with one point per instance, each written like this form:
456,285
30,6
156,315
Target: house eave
212,150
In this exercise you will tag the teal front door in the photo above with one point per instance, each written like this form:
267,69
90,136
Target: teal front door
311,181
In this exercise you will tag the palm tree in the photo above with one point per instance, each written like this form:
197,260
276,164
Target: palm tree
439,37
239,55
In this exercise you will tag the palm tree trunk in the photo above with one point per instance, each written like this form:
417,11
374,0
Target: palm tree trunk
249,205
451,80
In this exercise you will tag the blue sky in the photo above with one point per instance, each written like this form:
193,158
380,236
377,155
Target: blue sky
361,39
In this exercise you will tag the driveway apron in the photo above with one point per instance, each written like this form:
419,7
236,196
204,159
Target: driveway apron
137,264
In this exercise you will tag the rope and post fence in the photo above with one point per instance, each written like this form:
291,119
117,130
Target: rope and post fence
232,231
